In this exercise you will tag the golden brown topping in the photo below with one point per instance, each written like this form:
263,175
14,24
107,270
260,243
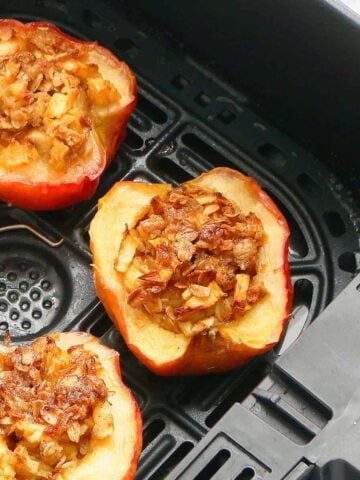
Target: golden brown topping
191,262
50,94
52,403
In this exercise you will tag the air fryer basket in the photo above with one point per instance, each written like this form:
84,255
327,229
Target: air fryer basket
187,121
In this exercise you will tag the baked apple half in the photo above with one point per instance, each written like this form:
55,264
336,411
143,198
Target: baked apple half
65,413
64,104
196,278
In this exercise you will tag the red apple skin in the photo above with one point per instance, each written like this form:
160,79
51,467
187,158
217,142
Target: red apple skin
55,195
201,356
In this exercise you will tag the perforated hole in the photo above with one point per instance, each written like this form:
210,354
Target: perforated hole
23,286
133,140
100,327
214,465
34,275
308,184
349,262
250,378
112,168
273,154
172,461
170,170
13,297
12,276
24,305
45,285
334,223
202,99
126,45
36,314
14,315
180,82
226,117
35,294
208,153
47,304
246,474
26,324
140,122
151,110
152,431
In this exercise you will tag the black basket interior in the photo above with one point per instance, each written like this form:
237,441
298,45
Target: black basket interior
186,122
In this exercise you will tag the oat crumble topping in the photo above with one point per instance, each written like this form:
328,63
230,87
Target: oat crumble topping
192,261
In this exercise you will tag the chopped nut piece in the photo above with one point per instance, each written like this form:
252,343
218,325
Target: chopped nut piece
49,415
153,225
74,432
189,235
245,252
184,250
50,452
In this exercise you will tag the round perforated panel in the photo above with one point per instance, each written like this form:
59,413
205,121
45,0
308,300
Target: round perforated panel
31,293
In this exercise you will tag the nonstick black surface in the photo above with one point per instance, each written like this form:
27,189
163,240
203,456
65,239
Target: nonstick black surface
186,122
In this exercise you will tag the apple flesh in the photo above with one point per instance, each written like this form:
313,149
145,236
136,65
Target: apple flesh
168,353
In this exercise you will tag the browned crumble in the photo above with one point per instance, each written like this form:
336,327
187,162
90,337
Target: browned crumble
191,262
52,404
48,90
